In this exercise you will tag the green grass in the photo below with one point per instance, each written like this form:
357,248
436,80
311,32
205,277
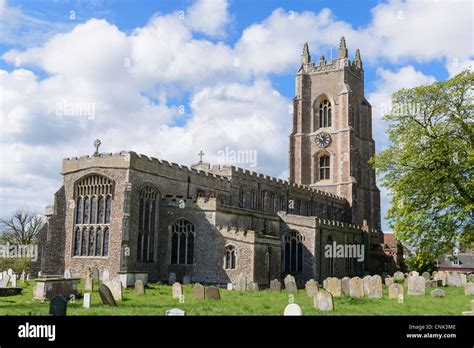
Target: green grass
158,299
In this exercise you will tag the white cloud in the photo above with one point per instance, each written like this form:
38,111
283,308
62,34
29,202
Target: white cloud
209,17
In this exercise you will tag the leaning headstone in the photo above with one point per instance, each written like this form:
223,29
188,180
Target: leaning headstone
186,280
175,312
87,300
441,276
469,289
345,286
275,285
172,278
67,273
88,282
139,287
58,305
426,275
356,287
106,295
323,301
311,287
241,283
394,291
375,287
212,293
252,286
177,290
293,310
388,282
199,292
438,293
416,285
105,275
334,286
95,274
4,281
13,280
398,277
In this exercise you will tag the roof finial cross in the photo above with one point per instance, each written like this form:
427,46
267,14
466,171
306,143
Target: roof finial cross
200,154
96,145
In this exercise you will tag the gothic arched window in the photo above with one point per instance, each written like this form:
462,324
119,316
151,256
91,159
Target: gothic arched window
146,224
241,198
293,252
92,217
325,114
182,242
324,167
229,257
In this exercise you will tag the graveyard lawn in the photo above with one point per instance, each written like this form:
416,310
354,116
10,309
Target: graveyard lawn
158,299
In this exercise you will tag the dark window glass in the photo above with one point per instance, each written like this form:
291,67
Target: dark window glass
91,242
174,249
98,242
100,209
77,241
85,219
84,242
108,208
106,242
79,210
93,210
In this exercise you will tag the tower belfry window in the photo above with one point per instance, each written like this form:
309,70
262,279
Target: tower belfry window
325,114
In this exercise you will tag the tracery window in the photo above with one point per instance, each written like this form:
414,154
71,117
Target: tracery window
229,257
325,114
92,216
147,223
182,242
293,252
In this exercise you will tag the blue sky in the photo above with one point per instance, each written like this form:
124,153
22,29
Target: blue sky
130,68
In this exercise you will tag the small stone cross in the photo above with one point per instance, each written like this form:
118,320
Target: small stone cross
200,154
96,145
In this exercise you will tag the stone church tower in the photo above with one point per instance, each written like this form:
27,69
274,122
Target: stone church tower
331,141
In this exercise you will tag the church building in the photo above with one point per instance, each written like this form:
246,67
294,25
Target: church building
130,213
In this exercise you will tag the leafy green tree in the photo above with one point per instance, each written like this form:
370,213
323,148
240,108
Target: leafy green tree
429,165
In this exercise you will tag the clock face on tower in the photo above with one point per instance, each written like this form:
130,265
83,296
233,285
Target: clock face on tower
323,139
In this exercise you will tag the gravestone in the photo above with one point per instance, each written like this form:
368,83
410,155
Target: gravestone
398,277
13,280
212,293
469,289
23,276
334,286
87,301
88,282
105,275
230,286
290,286
39,274
311,287
115,286
139,287
67,273
367,283
275,285
435,283
58,306
175,312
293,310
1,275
441,276
375,287
199,292
323,301
106,295
438,293
289,278
241,283
356,287
5,280
463,278
186,280
10,272
29,276
252,286
414,273
172,278
388,282
394,291
416,286
453,279
345,286
426,275
177,290
94,274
